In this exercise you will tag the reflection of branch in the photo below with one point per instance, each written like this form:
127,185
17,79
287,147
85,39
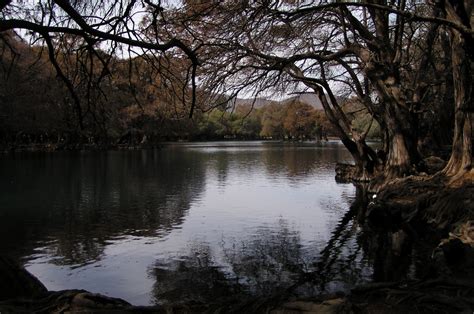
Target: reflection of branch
332,251
333,248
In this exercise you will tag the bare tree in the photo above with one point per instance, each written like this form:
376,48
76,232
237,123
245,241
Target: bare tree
353,49
266,45
101,29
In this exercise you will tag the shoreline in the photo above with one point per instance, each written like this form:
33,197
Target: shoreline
60,147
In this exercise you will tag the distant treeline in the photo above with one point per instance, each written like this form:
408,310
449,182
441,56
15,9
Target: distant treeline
131,107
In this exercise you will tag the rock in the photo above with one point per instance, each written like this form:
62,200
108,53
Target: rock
66,301
16,282
338,305
86,301
20,291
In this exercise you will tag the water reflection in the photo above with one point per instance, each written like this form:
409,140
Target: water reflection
343,259
296,162
187,222
73,203
261,264
194,278
268,260
271,262
367,252
274,261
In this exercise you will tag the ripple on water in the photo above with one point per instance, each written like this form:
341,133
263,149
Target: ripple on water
192,221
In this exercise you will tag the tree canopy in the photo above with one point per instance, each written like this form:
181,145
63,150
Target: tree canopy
405,65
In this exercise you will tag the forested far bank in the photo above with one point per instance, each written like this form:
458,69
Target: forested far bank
138,111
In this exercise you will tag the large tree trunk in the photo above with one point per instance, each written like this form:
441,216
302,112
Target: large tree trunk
460,162
399,162
401,136
366,160
401,133
381,60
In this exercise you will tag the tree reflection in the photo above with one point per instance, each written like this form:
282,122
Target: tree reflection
263,264
358,252
93,198
271,259
273,262
194,278
299,160
341,262
294,161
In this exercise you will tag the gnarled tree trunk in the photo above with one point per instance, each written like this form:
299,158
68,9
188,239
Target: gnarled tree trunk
398,161
401,132
462,46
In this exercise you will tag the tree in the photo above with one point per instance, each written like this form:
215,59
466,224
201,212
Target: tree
300,121
259,48
272,121
462,53
25,112
366,46
112,26
246,122
384,54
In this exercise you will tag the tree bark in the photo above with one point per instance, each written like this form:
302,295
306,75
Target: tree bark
460,162
398,161
381,57
401,132
461,155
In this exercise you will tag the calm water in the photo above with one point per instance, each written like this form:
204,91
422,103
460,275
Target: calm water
193,221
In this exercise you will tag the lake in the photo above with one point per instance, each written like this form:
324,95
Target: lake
188,222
